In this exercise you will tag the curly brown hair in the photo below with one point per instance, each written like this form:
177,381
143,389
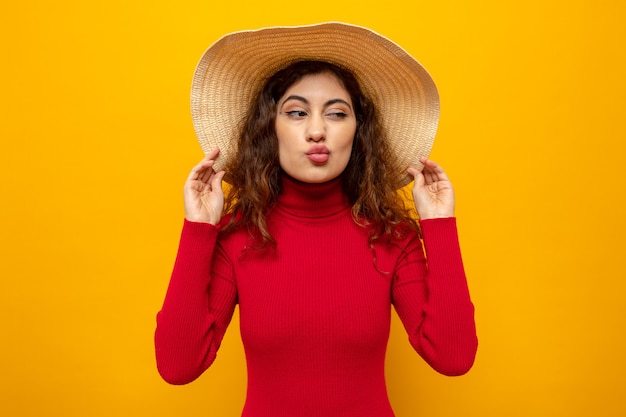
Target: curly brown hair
371,179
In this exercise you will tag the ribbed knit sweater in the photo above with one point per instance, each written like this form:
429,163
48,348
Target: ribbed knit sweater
315,310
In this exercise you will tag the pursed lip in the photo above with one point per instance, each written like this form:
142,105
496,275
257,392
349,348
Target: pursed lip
318,149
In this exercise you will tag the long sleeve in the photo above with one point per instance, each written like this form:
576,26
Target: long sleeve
197,309
432,299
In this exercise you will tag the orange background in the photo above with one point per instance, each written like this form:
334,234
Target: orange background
97,141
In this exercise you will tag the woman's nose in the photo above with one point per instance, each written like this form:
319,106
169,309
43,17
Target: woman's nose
316,129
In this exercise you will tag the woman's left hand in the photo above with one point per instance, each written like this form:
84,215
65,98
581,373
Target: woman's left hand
432,193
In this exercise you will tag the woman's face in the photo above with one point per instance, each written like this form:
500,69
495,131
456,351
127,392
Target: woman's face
315,126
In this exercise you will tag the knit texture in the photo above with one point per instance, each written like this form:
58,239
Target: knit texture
315,311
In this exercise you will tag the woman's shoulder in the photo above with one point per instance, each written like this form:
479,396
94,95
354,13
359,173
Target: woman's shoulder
233,236
400,234
390,248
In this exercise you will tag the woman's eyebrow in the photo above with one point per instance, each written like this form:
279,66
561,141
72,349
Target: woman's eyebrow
337,100
328,103
296,97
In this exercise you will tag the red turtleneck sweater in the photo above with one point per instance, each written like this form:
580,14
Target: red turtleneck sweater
315,311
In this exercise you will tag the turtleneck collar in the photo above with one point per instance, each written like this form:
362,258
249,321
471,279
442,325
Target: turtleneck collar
307,200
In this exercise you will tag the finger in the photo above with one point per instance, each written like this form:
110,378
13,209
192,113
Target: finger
433,176
430,165
428,168
213,154
433,171
198,170
216,181
202,169
206,174
418,177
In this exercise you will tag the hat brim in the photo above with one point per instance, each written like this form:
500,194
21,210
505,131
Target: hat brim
234,68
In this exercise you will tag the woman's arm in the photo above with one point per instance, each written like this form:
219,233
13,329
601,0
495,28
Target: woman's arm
198,305
432,299
430,290
197,308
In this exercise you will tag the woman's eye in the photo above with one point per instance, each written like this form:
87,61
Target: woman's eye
296,113
338,115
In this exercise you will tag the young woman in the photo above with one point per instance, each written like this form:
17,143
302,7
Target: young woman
313,241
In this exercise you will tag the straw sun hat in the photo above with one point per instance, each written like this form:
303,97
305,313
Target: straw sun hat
234,69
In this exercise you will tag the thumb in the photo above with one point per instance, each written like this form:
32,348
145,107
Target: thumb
216,181
418,177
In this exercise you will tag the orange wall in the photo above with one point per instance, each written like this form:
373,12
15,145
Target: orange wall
97,141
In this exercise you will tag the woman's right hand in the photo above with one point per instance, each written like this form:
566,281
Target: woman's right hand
204,198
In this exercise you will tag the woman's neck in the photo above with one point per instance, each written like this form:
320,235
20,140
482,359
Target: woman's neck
309,200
